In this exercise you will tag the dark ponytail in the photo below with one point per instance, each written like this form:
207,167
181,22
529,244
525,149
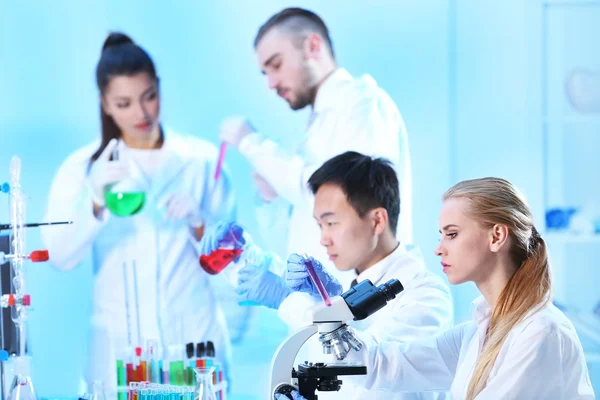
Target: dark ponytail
120,57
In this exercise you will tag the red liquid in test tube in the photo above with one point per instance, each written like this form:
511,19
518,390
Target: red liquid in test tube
317,281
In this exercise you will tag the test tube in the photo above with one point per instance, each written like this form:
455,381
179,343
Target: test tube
121,379
220,160
317,281
152,366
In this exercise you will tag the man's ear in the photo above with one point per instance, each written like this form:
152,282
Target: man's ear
313,46
380,220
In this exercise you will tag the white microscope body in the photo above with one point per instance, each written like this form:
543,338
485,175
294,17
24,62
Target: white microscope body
330,322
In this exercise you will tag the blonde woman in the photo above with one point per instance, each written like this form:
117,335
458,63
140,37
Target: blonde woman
518,345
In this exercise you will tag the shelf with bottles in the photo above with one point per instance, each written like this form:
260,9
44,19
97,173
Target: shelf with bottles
572,225
571,198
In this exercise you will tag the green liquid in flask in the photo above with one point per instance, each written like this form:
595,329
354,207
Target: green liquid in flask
125,204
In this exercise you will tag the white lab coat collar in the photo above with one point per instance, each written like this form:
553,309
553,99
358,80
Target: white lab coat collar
328,93
480,310
401,259
173,160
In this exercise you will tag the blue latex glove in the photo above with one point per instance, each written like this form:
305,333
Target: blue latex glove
261,286
219,234
295,396
298,279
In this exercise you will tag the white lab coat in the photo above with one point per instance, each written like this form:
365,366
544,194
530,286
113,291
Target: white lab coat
423,309
176,302
349,114
541,358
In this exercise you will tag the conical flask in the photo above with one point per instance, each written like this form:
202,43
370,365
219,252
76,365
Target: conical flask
205,390
127,197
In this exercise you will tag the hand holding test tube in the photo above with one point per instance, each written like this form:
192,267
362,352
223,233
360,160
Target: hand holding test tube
316,280
305,274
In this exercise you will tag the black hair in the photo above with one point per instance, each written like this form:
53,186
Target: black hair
297,21
367,182
120,57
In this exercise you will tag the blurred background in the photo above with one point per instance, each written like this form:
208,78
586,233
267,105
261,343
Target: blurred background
505,88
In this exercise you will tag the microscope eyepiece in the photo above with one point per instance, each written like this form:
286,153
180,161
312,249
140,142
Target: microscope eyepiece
391,289
365,298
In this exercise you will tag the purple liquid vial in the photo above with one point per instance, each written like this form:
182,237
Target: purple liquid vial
317,281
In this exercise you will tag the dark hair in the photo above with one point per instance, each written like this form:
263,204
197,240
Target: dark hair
120,56
297,21
367,182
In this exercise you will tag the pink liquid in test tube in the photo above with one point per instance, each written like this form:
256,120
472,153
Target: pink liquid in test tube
220,160
317,281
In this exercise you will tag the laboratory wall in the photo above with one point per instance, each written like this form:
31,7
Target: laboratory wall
470,78
494,78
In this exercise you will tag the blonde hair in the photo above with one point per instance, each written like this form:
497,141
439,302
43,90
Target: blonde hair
496,201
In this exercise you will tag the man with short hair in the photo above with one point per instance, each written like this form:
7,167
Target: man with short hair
357,207
295,52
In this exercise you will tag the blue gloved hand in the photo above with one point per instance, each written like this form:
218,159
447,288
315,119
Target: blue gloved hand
261,286
298,279
294,393
221,234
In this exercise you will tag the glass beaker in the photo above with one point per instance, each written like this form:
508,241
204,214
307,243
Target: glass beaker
125,198
204,389
252,255
235,251
230,248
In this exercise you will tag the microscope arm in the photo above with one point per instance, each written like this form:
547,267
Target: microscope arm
283,362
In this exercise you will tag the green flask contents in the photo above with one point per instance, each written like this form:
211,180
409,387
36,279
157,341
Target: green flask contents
125,204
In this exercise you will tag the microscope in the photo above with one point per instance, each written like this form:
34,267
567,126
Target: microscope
334,334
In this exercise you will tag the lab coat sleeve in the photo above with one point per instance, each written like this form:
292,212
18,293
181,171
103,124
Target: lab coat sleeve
71,200
417,366
370,127
294,310
541,365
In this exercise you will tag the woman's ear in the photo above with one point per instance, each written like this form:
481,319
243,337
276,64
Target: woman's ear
498,237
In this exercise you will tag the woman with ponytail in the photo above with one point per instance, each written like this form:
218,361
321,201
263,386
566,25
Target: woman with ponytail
518,345
147,282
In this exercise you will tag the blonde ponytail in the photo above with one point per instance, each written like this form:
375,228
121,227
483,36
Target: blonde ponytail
496,201
527,291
